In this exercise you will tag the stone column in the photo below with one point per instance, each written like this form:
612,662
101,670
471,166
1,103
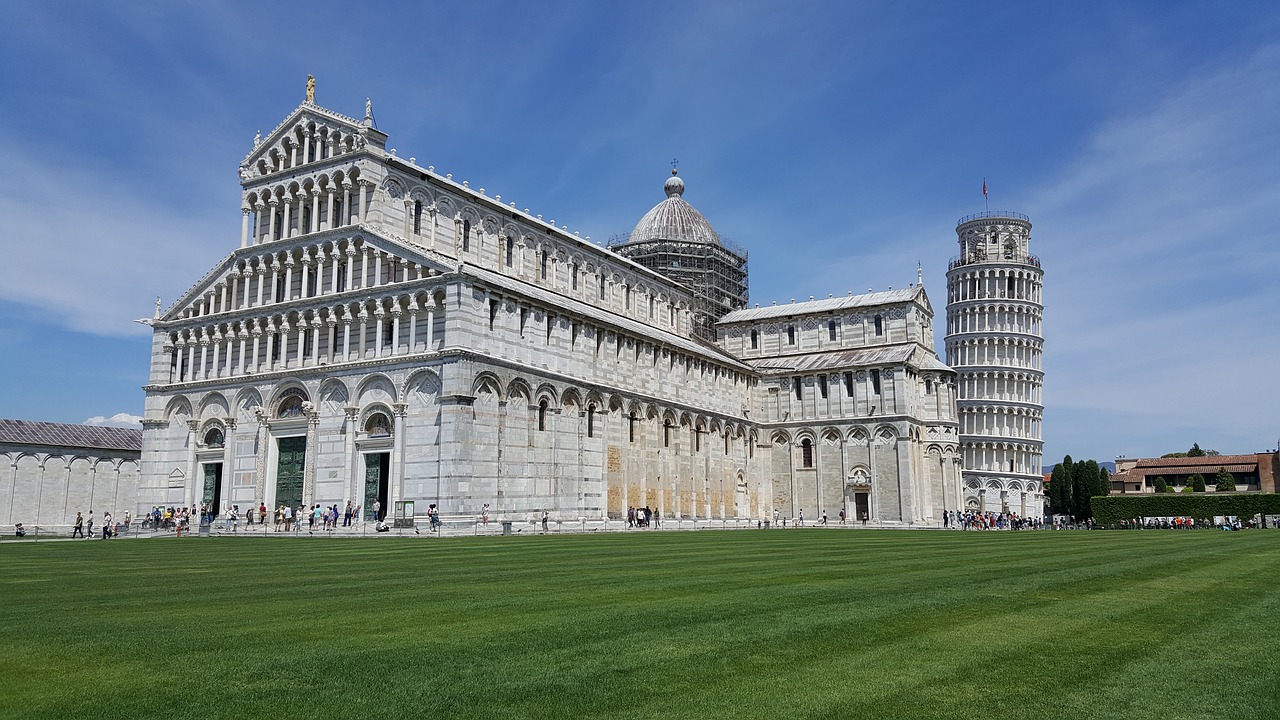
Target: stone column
408,217
346,334
244,226
331,221
287,229
315,339
309,469
191,358
204,354
252,366
364,327
243,335
181,346
396,311
288,279
260,462
314,226
349,447
305,272
399,411
413,326
350,253
261,272
332,323
378,314
346,202
260,232
431,324
271,345
189,491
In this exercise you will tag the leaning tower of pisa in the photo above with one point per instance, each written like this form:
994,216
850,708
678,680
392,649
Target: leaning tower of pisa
994,341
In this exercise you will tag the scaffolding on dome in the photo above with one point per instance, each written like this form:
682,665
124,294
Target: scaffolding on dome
714,273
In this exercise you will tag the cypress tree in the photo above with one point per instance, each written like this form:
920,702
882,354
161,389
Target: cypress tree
1060,487
1104,482
1195,451
1196,483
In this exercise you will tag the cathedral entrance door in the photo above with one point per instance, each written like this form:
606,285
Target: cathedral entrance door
377,472
293,457
861,506
212,495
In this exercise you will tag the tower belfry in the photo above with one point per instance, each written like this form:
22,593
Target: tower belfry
994,342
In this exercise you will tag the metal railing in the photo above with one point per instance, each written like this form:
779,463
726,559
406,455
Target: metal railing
993,214
1017,259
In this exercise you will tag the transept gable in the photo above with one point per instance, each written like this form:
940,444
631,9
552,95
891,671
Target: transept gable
233,270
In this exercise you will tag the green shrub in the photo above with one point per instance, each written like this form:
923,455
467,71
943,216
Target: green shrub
1110,509
1224,481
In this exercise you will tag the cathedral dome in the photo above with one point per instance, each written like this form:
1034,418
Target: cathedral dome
673,219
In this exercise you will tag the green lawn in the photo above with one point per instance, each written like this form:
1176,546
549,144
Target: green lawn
743,624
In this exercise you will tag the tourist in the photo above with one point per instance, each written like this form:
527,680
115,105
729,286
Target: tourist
106,526
91,523
262,513
544,521
841,516
346,515
800,520
823,521
79,527
484,515
657,518
288,516
631,517
127,519
377,510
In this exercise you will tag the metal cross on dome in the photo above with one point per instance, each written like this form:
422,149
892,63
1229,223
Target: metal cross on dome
674,163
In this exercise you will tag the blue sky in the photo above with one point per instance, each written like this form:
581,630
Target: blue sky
838,142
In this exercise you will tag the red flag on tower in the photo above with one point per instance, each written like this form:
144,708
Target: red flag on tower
984,188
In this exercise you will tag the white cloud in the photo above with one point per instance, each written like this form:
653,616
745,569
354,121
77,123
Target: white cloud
90,252
121,420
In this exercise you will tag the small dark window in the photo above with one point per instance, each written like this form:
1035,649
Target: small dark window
822,386
799,382
666,433
573,271
466,235
875,381
542,415
511,249
342,277
806,453
551,323
591,421
417,217
755,339
848,384
631,427
386,333
524,317
879,325
928,387
601,278
831,329
791,334
493,312
543,268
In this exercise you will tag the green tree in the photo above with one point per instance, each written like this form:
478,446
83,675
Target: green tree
1173,455
1161,485
1060,487
1225,481
1104,482
1196,483
1084,483
1195,451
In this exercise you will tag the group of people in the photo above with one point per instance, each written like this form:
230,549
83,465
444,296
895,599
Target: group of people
109,527
637,517
975,520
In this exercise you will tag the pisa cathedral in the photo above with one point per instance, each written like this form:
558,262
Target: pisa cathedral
386,333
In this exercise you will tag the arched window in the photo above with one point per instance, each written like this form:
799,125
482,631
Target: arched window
791,334
542,415
666,433
831,329
378,425
631,427
879,325
755,339
591,421
806,453
511,248
417,217
466,235
214,438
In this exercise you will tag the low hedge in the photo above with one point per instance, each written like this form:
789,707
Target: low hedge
1111,509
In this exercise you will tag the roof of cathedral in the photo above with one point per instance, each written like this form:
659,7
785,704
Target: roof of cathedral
674,219
29,432
824,306
908,353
